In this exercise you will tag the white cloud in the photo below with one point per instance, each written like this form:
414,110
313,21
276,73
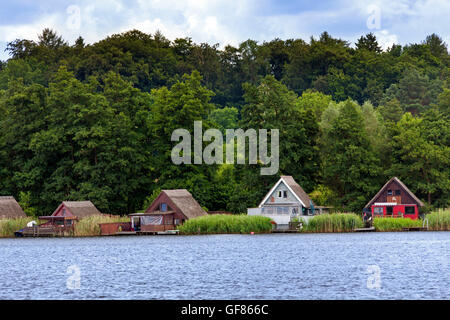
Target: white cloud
385,39
231,22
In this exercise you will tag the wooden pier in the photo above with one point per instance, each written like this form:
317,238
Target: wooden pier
38,232
285,231
147,233
415,229
369,229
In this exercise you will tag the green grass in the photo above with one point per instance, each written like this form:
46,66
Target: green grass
88,227
336,222
224,223
9,226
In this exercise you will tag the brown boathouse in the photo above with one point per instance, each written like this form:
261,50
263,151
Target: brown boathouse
69,211
10,208
170,209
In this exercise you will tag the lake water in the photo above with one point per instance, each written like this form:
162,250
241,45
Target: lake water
403,265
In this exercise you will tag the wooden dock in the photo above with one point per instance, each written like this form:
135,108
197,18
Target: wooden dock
370,229
38,232
415,229
126,233
147,233
158,233
285,231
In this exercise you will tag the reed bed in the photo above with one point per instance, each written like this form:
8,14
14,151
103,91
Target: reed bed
439,221
225,223
336,222
395,224
89,226
9,226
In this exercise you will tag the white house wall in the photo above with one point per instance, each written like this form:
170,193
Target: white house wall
289,200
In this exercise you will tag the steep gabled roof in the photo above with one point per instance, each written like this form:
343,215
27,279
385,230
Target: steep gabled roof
10,208
420,203
185,202
294,187
80,209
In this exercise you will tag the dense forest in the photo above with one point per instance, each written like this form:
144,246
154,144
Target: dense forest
94,121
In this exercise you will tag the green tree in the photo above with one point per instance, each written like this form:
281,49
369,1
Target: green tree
178,107
350,165
421,155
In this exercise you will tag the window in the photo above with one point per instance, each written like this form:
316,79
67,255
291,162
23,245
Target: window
285,194
378,211
389,192
389,211
280,194
64,212
163,207
410,210
397,192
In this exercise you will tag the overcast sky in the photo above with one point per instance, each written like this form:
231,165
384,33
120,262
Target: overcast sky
227,21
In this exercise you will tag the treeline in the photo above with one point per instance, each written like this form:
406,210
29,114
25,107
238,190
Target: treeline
95,121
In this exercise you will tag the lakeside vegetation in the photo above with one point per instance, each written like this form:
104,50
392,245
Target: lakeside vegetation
9,226
395,224
89,226
225,223
439,221
336,222
86,227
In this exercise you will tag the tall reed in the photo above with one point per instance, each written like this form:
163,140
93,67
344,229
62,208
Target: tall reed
225,223
9,226
439,221
395,224
336,222
89,226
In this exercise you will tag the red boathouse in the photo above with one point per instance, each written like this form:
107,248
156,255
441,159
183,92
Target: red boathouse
68,212
394,200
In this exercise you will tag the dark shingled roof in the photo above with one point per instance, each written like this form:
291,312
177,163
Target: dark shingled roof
297,190
185,202
9,208
80,209
420,203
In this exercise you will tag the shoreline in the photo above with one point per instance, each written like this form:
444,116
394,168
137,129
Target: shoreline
230,233
244,224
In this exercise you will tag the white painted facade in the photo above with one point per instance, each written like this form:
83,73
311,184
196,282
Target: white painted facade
281,204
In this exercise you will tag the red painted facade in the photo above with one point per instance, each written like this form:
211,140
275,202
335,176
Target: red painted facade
62,211
396,211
